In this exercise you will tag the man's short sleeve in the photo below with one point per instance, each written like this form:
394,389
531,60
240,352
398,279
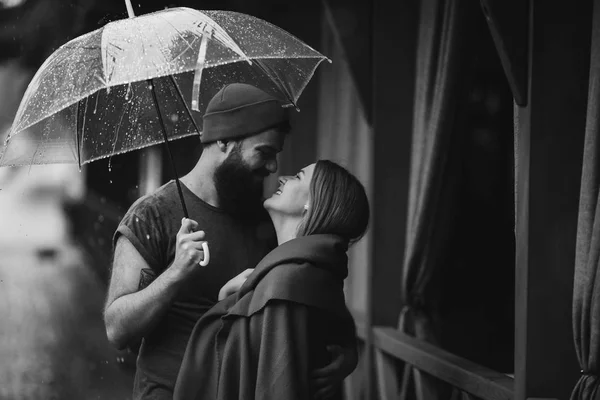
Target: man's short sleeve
140,227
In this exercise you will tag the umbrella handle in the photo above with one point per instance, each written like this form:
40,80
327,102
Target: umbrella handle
206,260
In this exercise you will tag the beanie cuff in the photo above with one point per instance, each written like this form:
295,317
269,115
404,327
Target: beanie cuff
244,121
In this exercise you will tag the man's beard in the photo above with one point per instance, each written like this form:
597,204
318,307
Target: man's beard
240,192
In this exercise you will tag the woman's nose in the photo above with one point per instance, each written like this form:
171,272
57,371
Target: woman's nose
272,166
282,180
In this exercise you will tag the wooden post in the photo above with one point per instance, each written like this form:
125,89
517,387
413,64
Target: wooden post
150,170
394,42
394,52
548,150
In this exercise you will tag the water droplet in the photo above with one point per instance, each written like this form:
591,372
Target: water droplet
128,94
148,237
111,181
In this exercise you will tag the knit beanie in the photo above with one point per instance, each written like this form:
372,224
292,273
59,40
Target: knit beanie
240,110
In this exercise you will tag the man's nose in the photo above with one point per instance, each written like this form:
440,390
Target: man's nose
271,166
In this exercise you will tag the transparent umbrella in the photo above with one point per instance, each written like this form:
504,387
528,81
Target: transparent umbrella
145,80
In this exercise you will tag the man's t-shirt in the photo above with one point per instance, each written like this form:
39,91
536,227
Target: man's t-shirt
151,225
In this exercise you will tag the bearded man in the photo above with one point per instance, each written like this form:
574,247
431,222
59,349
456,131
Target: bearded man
158,290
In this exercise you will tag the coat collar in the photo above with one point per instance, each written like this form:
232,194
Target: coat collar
322,250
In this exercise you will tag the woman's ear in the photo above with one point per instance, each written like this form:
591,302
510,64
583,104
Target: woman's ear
222,144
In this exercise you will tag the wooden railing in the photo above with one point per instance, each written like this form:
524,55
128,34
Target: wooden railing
390,345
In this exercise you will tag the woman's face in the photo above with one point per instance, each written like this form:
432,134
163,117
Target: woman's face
292,194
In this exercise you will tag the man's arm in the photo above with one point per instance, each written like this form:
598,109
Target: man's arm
344,359
131,312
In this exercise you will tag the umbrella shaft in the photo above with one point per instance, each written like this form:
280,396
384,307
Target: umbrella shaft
164,131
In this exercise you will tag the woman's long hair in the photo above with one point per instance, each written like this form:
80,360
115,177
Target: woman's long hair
338,204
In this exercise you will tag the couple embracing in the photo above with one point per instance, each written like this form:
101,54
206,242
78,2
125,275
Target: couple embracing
266,317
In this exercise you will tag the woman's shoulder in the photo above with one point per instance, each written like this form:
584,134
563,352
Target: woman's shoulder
296,273
301,283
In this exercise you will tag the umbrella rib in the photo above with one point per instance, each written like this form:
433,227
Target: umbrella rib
37,149
83,122
261,66
77,126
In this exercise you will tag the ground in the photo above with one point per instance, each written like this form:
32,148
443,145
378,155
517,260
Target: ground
52,339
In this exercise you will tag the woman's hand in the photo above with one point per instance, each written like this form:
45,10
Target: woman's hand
327,380
234,284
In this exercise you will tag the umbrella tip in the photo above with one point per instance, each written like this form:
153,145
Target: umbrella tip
130,12
289,105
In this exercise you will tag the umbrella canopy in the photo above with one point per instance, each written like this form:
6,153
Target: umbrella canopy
136,81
